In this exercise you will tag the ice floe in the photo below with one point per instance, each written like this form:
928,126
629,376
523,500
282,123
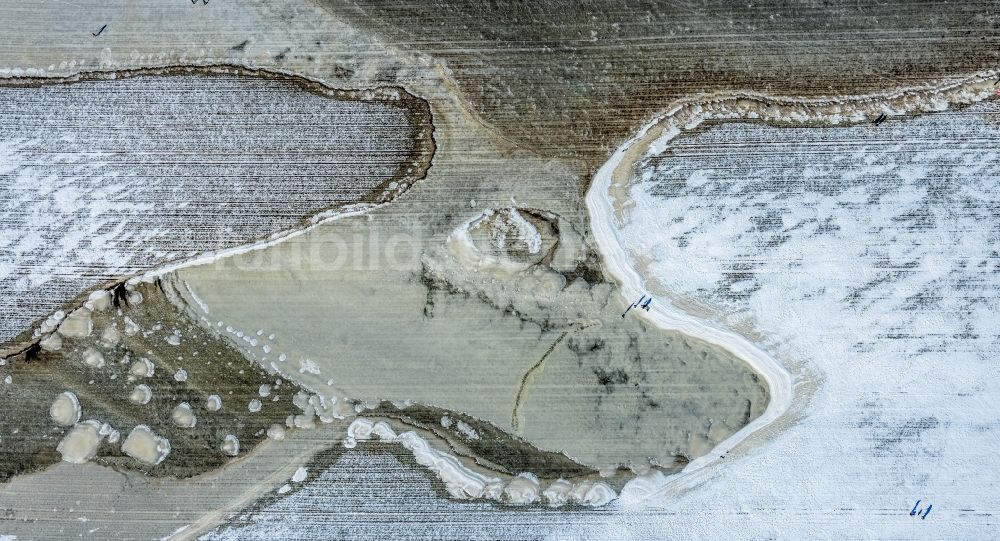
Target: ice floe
146,446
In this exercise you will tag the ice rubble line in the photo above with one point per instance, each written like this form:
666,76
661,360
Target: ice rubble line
464,483
206,258
653,139
460,481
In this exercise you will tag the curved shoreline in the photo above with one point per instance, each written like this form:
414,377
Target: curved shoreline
407,173
615,260
612,180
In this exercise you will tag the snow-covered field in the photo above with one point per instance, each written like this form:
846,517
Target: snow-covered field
867,258
101,179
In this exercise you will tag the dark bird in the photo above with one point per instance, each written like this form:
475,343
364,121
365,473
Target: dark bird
99,32
119,295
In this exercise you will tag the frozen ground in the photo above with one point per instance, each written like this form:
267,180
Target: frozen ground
101,179
867,257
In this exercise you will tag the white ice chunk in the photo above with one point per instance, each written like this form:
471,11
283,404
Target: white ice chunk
558,493
213,403
276,432
93,358
522,490
183,416
131,327
110,337
145,446
65,410
143,368
230,445
51,342
77,325
592,494
141,394
99,300
81,443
